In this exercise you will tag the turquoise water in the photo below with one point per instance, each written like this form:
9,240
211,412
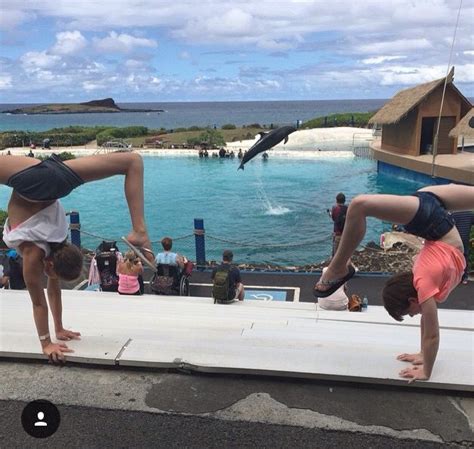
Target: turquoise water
279,202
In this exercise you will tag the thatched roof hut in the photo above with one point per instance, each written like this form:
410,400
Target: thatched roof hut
406,100
463,129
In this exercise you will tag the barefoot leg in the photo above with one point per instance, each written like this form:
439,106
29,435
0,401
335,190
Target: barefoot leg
92,168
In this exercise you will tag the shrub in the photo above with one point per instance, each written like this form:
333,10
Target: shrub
229,126
121,133
357,119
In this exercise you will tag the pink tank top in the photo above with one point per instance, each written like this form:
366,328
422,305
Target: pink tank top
128,284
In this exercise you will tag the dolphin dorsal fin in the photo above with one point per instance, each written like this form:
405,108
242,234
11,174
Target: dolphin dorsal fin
262,134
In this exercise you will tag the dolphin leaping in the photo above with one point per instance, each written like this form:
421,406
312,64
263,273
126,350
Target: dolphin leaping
267,140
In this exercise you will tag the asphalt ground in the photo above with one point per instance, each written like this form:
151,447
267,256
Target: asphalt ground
111,408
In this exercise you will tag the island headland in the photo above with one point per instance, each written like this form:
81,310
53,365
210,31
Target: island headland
94,106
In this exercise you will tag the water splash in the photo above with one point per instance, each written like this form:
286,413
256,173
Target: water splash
277,210
269,207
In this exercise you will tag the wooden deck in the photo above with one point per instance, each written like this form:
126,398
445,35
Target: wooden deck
455,167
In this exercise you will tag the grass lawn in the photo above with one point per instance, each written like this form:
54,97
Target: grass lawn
179,138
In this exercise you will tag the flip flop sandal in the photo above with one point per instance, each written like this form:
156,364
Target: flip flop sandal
333,285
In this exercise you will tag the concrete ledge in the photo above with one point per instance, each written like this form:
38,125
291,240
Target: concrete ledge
260,338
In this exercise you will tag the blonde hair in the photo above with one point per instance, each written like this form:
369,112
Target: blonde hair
129,258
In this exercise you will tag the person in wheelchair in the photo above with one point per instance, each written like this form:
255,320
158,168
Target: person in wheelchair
167,256
173,272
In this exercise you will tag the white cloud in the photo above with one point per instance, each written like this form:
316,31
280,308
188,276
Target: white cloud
39,60
331,48
12,18
5,82
69,43
122,43
381,59
395,46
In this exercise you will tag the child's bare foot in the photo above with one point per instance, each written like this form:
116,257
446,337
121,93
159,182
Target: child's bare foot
142,242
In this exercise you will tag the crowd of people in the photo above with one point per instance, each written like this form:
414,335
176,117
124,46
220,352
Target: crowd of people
223,153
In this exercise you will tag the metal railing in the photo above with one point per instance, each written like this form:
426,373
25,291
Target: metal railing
204,248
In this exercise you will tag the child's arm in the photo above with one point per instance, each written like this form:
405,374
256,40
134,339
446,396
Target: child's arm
33,275
54,299
429,343
430,336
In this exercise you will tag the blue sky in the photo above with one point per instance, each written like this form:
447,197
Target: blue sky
146,50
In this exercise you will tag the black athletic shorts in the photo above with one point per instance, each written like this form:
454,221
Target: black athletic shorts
49,180
431,221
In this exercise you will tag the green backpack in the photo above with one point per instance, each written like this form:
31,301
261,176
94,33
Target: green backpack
221,286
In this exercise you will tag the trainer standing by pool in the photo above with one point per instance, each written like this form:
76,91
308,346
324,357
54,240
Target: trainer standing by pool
36,227
338,216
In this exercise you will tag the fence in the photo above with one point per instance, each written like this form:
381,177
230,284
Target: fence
361,146
204,248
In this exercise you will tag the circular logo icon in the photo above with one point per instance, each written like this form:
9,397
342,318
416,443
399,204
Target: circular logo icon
40,418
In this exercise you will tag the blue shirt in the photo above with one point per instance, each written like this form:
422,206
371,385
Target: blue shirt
167,258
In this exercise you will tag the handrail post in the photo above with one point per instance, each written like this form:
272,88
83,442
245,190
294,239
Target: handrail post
75,227
200,242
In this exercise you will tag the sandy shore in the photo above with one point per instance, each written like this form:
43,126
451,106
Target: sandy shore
304,143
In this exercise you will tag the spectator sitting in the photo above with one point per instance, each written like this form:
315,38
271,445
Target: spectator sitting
3,279
168,257
227,283
13,271
129,271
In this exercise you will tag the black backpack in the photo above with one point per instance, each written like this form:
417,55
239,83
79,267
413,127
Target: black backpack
166,280
15,272
341,218
106,258
221,291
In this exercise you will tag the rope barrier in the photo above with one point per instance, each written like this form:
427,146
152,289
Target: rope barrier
263,245
74,226
232,242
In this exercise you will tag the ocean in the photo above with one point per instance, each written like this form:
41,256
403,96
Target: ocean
189,114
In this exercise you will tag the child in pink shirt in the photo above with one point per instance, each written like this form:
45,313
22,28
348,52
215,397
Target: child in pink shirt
438,268
128,272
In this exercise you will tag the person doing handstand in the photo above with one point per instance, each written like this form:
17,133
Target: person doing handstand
437,270
36,226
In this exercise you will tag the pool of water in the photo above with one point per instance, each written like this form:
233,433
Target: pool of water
272,212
